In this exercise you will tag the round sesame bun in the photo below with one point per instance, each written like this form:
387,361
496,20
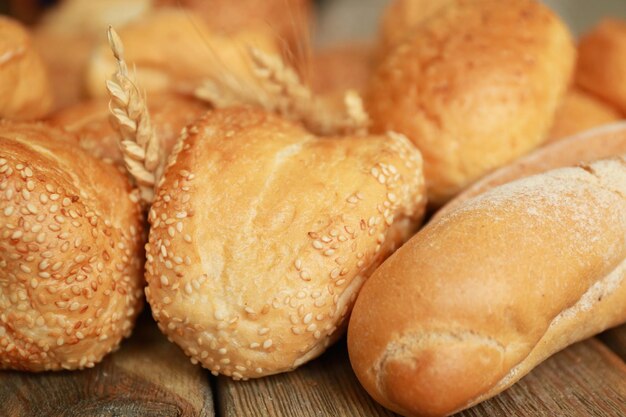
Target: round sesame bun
175,50
70,252
262,235
89,123
485,293
599,143
24,87
474,86
602,62
580,111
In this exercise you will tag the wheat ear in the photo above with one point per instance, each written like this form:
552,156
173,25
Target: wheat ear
280,90
138,141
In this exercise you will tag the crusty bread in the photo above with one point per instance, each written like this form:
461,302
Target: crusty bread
580,111
287,20
400,17
89,122
24,87
262,234
174,50
602,62
599,143
486,292
341,67
70,252
474,86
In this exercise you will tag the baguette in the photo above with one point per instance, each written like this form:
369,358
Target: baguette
601,142
71,249
262,234
486,292
474,86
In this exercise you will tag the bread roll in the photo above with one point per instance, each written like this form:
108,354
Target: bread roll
70,252
24,86
287,20
341,67
474,87
262,234
67,34
602,62
401,17
578,112
89,122
485,293
174,50
598,143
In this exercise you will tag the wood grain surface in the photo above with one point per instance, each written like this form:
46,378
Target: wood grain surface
586,379
148,376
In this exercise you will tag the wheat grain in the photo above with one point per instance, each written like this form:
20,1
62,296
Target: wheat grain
139,144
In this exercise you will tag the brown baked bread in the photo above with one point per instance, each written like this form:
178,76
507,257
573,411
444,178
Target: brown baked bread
474,87
89,122
175,50
602,62
485,293
70,252
67,34
288,21
341,67
599,143
580,111
262,234
24,86
400,17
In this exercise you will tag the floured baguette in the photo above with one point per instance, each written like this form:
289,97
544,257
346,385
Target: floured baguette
486,292
598,143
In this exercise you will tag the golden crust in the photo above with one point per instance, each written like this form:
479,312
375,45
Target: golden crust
580,111
70,260
174,50
602,142
262,235
459,313
24,87
89,122
474,87
602,62
401,17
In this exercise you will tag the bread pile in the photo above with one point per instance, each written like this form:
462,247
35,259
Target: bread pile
278,190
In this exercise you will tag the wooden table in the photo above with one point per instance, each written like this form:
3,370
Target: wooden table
149,376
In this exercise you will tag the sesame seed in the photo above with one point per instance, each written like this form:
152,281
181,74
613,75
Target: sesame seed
263,330
267,344
317,244
164,280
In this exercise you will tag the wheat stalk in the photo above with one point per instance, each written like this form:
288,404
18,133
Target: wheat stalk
140,146
280,90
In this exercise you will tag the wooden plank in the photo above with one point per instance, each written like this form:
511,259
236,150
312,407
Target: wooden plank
324,387
616,340
148,376
586,379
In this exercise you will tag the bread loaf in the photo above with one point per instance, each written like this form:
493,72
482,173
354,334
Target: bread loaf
485,293
70,252
602,62
341,67
580,111
598,143
89,123
474,86
262,234
174,50
24,87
